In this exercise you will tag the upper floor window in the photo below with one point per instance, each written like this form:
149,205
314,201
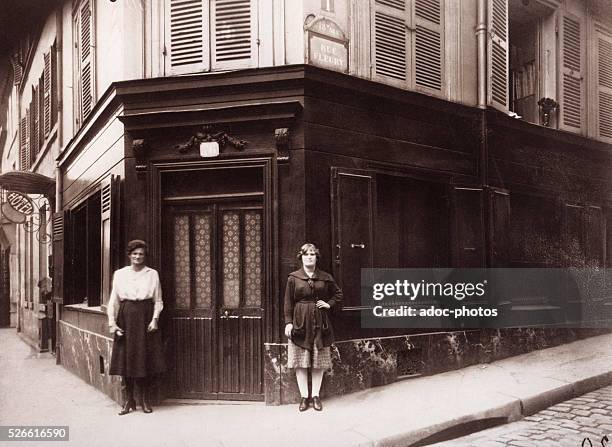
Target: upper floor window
546,60
538,52
84,60
41,115
407,43
603,84
202,35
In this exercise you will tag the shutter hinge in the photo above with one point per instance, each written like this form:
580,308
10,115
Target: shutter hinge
258,42
556,30
164,51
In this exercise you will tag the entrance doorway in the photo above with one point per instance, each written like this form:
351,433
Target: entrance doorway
214,286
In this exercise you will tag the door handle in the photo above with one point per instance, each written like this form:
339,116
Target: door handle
362,245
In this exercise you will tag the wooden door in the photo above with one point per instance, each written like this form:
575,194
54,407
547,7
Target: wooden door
213,289
353,197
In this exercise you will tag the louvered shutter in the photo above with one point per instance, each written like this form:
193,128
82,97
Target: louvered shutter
428,44
110,227
23,143
86,53
498,54
187,36
54,94
41,109
34,125
604,86
17,71
58,256
234,34
571,84
391,41
47,94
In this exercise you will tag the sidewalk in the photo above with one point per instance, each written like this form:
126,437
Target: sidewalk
35,391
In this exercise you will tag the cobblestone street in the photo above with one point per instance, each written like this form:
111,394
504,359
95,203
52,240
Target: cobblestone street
566,424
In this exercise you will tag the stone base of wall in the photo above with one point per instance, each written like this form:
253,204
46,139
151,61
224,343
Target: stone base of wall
87,355
364,363
31,327
357,364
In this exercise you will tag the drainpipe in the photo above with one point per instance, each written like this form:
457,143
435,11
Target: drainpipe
17,230
59,23
483,175
60,84
481,36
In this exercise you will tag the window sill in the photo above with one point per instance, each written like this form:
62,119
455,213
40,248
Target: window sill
85,308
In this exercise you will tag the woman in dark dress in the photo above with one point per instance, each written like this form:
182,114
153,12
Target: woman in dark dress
310,295
133,312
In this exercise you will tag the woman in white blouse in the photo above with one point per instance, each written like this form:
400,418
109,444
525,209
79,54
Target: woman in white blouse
133,312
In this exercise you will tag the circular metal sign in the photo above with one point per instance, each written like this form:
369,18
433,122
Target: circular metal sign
17,207
20,203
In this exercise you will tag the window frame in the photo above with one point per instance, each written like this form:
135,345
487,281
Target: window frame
412,22
81,114
207,61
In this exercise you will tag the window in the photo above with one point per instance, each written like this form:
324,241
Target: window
84,61
24,143
85,247
204,35
604,85
41,115
84,239
48,92
538,52
407,43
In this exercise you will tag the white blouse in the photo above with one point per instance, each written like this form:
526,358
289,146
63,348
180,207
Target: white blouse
129,284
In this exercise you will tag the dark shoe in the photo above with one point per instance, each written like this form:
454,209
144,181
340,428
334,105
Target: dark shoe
304,404
316,403
128,406
146,408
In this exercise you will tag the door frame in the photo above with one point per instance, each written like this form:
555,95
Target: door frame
268,165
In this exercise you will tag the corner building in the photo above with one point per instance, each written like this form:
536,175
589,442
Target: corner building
390,133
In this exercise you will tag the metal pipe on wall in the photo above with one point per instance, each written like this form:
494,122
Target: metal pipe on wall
481,36
59,24
59,33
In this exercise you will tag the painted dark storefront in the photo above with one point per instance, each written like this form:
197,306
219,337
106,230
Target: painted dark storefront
373,175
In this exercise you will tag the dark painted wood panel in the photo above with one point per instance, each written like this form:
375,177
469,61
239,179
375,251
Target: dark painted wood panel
355,144
292,216
396,122
193,357
547,180
210,98
240,357
162,143
541,154
351,90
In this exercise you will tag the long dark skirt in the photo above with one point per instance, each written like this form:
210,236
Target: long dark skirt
137,353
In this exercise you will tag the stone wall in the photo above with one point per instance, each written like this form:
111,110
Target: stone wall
87,355
364,363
